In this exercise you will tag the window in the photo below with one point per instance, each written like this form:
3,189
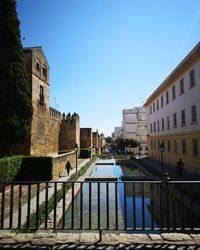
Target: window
150,110
154,107
157,104
44,71
163,124
37,65
175,146
41,95
181,86
158,125
182,117
158,144
173,92
167,97
174,120
151,128
154,127
184,150
155,144
168,123
195,147
194,114
168,145
192,78
162,101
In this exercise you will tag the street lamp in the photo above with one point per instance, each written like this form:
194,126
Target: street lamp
162,149
139,149
76,149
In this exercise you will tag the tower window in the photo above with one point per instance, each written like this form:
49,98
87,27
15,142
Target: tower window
41,96
44,71
37,65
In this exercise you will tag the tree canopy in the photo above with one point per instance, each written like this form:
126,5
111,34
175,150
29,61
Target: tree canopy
15,92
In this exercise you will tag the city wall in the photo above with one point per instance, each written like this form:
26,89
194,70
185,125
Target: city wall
59,164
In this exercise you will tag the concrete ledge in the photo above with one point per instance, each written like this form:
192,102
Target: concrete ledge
51,238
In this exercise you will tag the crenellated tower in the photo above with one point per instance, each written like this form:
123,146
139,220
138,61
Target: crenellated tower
69,132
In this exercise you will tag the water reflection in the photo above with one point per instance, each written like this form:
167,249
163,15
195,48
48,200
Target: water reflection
128,205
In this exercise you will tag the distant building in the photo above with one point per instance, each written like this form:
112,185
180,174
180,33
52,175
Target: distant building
174,114
117,132
134,125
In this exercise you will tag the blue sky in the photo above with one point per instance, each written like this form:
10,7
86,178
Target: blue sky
108,55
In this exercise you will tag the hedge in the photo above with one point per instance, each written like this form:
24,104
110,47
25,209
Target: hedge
9,167
85,153
25,168
34,168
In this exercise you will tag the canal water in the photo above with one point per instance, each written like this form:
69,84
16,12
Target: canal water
134,213
147,205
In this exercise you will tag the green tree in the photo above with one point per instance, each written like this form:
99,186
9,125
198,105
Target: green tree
132,143
120,144
15,94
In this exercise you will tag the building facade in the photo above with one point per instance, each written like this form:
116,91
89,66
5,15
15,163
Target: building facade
174,115
134,125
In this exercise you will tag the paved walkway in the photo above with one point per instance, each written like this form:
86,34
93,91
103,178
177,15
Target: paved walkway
154,167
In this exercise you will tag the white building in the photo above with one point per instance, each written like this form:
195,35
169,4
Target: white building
117,132
174,114
134,125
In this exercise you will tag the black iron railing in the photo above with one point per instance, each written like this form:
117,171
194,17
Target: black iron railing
101,205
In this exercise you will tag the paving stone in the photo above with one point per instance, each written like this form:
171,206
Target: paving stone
7,240
196,237
43,234
135,238
23,237
89,237
176,237
44,241
5,234
110,238
156,237
68,237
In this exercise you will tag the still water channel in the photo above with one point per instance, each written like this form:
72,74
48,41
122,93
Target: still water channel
108,195
127,205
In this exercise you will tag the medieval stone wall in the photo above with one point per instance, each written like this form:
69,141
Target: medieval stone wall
69,132
86,138
60,162
95,138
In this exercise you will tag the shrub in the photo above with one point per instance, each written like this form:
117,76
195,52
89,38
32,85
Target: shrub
25,168
9,167
85,153
35,168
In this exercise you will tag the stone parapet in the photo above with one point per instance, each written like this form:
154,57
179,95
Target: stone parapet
152,240
60,161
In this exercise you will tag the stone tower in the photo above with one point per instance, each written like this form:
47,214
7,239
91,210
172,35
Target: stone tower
46,121
86,138
69,132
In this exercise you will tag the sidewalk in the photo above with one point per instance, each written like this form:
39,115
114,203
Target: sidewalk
154,166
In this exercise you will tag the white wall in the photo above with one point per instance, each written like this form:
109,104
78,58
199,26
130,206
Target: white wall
181,102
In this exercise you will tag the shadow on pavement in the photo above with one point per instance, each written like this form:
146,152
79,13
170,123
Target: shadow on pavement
99,246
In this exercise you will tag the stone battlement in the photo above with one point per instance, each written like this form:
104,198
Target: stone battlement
54,114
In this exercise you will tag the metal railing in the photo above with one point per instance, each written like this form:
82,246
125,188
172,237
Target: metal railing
138,206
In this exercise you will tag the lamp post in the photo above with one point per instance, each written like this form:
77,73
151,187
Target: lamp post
162,149
76,149
139,149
